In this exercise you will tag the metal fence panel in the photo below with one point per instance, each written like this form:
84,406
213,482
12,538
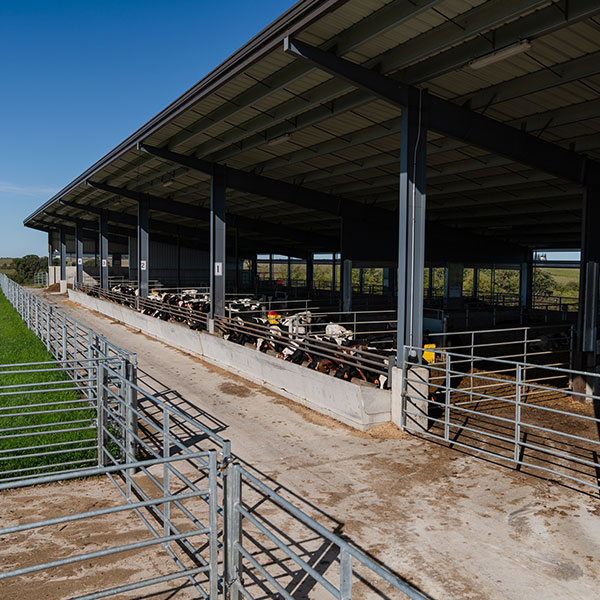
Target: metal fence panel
525,414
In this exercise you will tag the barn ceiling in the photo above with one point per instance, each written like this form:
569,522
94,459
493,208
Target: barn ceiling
264,112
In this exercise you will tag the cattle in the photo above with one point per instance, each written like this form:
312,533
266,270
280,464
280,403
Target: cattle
299,338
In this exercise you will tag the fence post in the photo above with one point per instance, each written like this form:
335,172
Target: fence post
131,421
390,370
47,311
447,397
64,338
233,533
213,526
404,386
75,342
100,410
571,346
524,372
166,474
518,415
89,363
345,576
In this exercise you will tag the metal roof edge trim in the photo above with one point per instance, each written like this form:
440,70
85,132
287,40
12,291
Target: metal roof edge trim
291,22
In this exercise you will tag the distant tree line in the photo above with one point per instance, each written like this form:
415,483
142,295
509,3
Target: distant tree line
506,281
25,268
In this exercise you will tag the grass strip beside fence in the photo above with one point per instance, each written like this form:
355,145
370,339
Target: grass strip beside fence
31,416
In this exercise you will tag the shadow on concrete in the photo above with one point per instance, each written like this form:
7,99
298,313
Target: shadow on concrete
318,552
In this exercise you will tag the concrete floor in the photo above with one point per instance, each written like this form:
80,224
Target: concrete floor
454,525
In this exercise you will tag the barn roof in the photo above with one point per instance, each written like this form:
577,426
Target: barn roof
265,113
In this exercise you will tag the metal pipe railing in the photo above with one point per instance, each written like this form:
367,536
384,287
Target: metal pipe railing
130,417
517,411
347,555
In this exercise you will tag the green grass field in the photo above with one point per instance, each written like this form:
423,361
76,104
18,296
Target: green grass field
563,276
19,345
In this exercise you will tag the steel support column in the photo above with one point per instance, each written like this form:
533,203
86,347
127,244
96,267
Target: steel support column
130,248
346,285
411,241
389,281
454,284
217,242
475,282
79,252
526,284
238,274
63,254
103,246
333,273
143,249
179,260
310,273
589,280
430,286
50,252
289,271
254,274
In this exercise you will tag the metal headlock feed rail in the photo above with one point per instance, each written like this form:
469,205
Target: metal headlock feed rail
518,412
207,541
366,361
353,356
193,318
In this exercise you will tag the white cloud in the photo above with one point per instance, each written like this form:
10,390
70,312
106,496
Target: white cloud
26,190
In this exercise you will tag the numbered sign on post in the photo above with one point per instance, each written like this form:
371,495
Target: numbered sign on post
104,262
143,265
80,261
218,268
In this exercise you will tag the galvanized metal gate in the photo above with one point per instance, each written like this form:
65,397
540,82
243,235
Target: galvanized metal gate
230,516
521,413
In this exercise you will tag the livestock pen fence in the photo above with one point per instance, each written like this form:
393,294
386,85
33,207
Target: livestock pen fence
227,533
360,345
541,344
299,333
517,412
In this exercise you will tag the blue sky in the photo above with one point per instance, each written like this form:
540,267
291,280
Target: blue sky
77,77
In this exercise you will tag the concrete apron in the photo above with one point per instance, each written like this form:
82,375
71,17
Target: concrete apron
358,406
412,400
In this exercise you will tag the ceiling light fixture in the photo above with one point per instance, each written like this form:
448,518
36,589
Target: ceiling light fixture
498,55
167,183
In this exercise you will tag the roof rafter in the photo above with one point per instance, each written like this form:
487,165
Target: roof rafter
199,213
456,121
332,97
272,188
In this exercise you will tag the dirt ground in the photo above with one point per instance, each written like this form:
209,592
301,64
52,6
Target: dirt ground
552,421
452,524
28,548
